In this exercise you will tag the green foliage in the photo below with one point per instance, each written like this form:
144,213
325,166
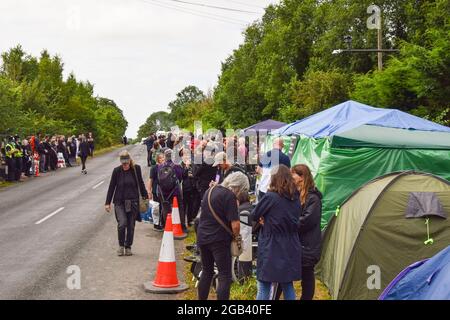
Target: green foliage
190,94
34,97
156,121
285,68
318,91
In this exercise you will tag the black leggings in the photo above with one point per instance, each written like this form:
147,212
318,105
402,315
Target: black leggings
220,254
308,283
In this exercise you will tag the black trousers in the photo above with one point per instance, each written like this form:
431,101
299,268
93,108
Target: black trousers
191,202
149,157
83,162
217,253
126,222
166,208
18,169
308,283
11,163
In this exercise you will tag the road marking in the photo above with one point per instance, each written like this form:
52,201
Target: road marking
98,185
50,215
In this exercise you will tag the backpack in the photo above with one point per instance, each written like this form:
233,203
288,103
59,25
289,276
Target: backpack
167,179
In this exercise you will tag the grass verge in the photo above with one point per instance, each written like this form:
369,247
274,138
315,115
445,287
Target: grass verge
246,291
5,184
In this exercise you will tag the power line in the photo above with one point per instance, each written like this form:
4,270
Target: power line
214,7
246,4
202,12
195,13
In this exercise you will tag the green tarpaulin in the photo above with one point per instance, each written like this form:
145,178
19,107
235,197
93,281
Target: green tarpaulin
339,171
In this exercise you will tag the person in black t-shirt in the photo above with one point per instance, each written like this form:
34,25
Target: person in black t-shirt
213,240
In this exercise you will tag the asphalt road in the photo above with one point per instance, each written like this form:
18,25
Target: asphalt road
58,220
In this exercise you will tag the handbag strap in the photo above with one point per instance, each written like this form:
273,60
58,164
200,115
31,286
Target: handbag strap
137,182
215,214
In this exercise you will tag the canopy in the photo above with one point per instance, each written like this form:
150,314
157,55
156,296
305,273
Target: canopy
357,124
266,125
424,280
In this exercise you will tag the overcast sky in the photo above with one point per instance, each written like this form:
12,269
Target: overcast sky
139,53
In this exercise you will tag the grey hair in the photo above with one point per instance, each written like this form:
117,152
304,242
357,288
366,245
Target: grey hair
238,182
168,154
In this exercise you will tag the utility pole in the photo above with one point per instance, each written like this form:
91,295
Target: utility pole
380,47
374,22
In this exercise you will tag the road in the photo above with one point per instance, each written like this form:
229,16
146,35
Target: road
58,220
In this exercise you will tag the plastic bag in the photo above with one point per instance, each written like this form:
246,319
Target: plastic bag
155,212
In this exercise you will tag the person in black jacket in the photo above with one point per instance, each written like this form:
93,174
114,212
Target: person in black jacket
125,188
84,153
310,233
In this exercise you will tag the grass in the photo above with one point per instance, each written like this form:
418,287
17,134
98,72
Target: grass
101,151
5,184
246,291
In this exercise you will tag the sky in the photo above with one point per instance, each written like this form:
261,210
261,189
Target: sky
139,53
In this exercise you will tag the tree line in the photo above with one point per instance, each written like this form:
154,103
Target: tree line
34,97
285,69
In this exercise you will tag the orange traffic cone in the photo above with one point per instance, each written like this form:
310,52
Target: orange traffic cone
178,233
166,280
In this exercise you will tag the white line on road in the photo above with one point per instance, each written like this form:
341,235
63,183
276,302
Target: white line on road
98,185
50,215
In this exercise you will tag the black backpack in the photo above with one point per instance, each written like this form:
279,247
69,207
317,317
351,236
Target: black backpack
167,179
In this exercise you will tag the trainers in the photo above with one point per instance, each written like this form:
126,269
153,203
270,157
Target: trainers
121,251
128,252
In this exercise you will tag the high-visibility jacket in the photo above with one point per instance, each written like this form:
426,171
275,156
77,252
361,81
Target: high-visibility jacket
10,149
19,153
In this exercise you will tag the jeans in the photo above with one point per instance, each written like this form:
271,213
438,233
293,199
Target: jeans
265,290
125,224
220,254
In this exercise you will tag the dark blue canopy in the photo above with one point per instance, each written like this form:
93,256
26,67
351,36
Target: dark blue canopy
266,125
423,280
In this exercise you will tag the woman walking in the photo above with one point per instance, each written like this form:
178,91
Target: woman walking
213,240
310,233
124,190
84,153
279,248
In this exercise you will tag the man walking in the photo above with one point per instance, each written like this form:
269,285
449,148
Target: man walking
149,143
269,160
170,176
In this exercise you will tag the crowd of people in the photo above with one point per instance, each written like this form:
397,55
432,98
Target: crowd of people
212,180
40,153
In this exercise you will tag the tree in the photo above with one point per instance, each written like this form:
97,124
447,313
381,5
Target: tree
35,97
184,97
156,121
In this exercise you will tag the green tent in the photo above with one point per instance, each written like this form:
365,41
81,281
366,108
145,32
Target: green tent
382,227
350,144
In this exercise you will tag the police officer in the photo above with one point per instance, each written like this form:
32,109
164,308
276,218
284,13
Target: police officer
18,157
10,150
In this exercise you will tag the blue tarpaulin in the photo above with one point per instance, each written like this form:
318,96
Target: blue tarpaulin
351,115
423,280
